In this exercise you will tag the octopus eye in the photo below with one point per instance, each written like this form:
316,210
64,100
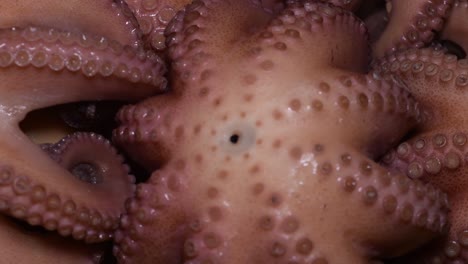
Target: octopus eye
238,138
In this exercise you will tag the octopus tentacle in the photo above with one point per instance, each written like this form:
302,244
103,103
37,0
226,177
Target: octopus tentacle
437,156
52,14
153,17
278,221
96,69
412,24
48,248
143,130
53,53
429,154
157,202
435,69
102,159
28,193
440,158
395,196
357,96
292,26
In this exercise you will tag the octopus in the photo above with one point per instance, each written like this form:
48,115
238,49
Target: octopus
76,186
219,176
248,131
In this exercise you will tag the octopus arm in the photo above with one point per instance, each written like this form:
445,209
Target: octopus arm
412,24
64,197
56,74
437,157
160,228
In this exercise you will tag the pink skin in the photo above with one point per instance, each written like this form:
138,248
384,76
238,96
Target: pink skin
245,172
437,153
279,99
44,62
455,29
22,246
412,24
153,17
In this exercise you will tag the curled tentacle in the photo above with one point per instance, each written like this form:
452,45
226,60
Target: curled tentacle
84,199
412,24
52,53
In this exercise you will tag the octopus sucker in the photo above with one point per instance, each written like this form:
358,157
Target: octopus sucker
435,69
95,69
438,157
153,16
163,208
48,248
53,53
75,16
212,191
435,155
412,24
98,181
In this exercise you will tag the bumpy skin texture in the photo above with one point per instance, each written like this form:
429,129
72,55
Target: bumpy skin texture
412,24
437,153
17,244
57,52
264,150
153,17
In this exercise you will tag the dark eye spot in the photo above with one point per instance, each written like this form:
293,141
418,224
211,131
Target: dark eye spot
238,138
234,139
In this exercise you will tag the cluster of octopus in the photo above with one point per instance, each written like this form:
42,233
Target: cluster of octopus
262,131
